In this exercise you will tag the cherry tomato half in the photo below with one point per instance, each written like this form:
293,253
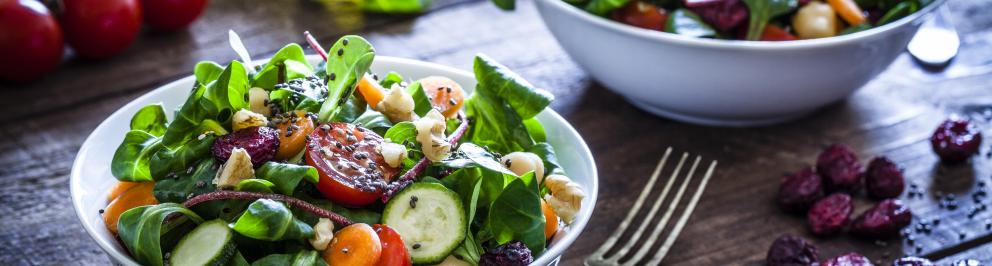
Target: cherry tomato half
356,244
394,251
171,15
30,40
352,170
642,15
99,29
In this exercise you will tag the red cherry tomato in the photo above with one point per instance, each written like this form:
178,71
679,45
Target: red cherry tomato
30,40
774,33
101,28
171,15
641,15
394,251
352,171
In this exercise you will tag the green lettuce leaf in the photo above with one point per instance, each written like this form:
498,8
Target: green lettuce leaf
166,160
288,63
131,159
150,119
516,215
270,220
285,177
140,229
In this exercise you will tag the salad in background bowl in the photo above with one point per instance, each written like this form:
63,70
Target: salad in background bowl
291,162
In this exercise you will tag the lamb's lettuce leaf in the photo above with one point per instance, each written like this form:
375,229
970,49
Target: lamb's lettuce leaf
761,12
288,63
207,71
347,61
166,160
685,22
395,6
500,104
300,258
140,229
270,220
516,215
497,80
150,119
255,185
604,7
131,160
422,104
286,177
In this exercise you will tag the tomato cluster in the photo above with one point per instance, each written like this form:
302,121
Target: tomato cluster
32,35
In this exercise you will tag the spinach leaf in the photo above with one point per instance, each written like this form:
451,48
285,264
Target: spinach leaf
150,119
255,185
285,177
498,81
685,22
505,4
188,118
762,11
604,7
471,155
516,215
536,130
469,190
131,159
185,184
288,63
270,220
391,78
422,104
207,71
496,125
395,6
167,160
547,154
347,61
301,258
140,230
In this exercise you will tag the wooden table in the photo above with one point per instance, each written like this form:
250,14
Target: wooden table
44,123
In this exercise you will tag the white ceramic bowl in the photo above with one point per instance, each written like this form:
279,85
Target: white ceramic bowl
725,82
90,178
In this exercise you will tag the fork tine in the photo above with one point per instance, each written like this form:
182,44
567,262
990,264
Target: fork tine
667,245
646,246
615,236
636,236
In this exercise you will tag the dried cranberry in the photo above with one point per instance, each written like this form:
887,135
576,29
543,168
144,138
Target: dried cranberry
884,220
723,15
839,166
261,144
912,261
830,214
800,190
884,179
789,250
955,140
514,253
849,259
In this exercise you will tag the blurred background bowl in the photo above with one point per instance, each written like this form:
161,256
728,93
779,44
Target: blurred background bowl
726,82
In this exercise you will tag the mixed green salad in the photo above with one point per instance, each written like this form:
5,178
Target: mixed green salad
292,163
754,20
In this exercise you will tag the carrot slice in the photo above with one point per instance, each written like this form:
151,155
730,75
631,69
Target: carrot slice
371,91
119,188
849,11
139,195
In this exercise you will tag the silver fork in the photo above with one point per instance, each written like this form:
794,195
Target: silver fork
641,248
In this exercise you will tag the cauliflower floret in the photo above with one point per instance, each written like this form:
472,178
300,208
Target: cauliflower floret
565,196
397,105
246,118
522,162
257,100
430,135
323,232
238,167
393,153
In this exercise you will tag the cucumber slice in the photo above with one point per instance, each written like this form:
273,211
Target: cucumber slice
210,243
431,227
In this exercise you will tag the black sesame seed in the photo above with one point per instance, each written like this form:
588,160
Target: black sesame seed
344,42
101,211
331,76
416,246
449,89
413,202
340,52
452,102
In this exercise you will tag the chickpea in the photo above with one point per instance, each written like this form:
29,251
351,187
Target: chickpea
522,162
815,20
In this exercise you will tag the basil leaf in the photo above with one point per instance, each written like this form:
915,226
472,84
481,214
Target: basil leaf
270,220
762,11
140,230
685,22
348,60
285,177
207,71
516,215
604,7
300,258
498,81
131,159
167,161
422,104
151,119
288,63
395,6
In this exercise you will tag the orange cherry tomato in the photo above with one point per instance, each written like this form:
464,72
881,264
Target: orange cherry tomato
352,170
371,91
291,142
354,245
642,15
550,220
138,195
394,252
446,94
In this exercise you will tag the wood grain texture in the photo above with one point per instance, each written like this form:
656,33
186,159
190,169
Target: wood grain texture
43,124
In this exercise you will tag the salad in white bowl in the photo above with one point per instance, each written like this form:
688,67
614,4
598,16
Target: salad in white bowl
288,162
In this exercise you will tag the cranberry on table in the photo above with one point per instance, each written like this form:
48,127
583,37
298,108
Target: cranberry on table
955,140
171,15
261,144
789,250
99,29
830,214
912,261
884,179
839,167
30,40
800,190
884,220
849,259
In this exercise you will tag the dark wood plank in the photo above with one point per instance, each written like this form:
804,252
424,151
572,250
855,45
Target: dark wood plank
44,124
